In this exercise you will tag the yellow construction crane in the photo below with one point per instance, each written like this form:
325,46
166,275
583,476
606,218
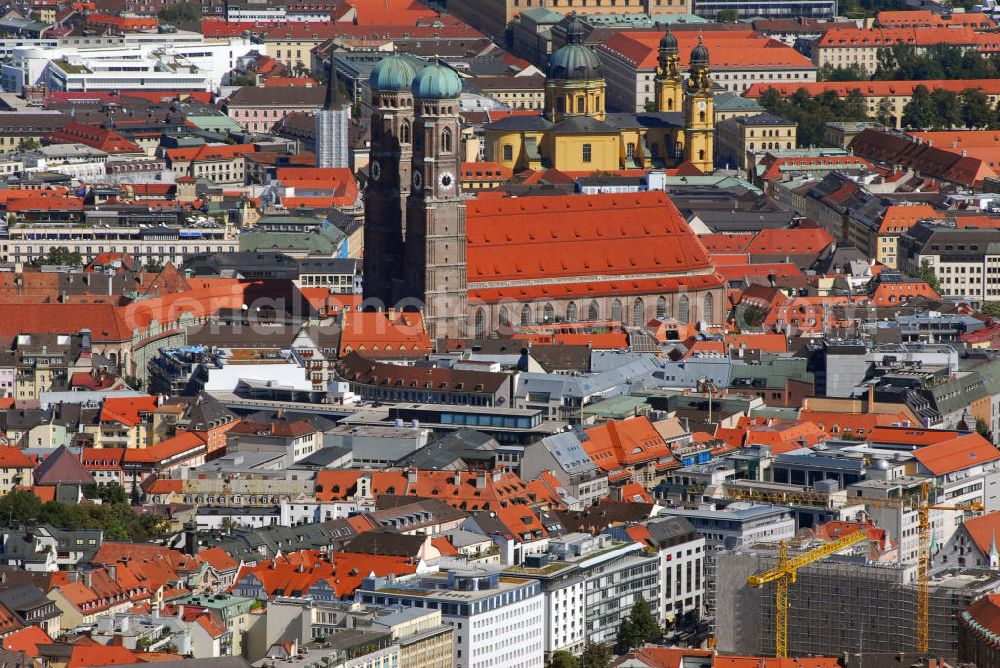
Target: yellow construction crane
923,507
784,574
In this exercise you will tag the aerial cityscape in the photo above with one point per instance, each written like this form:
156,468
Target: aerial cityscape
500,333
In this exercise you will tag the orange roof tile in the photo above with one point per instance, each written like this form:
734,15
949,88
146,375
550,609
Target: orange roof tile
184,445
217,558
730,49
900,218
635,493
875,88
127,410
27,640
580,235
88,656
384,331
959,453
618,444
12,457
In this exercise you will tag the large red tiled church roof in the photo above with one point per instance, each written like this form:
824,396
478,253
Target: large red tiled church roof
564,238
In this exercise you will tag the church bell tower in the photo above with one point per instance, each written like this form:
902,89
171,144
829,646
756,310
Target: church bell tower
669,87
699,112
435,221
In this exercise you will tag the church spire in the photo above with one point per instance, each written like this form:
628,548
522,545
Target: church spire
994,555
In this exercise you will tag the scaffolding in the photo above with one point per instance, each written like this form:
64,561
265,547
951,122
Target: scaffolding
841,605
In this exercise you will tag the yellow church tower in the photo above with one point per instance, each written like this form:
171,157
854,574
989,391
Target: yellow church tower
574,86
699,112
669,87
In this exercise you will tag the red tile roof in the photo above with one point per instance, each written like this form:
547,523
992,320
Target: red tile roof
126,410
27,640
983,529
295,573
797,241
398,332
730,49
961,452
209,152
217,558
619,444
925,18
185,445
93,136
875,88
892,293
518,240
12,457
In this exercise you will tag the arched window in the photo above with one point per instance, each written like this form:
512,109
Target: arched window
661,308
638,313
446,141
616,310
508,152
670,104
404,133
480,323
594,312
580,105
571,312
701,154
504,317
560,105
701,116
525,315
548,313
708,308
683,309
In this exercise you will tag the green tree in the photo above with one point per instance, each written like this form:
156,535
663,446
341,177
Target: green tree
595,656
20,505
728,16
29,144
991,309
153,267
948,105
562,659
830,72
58,256
976,111
921,112
855,105
649,106
926,273
134,382
884,114
182,11
628,639
982,428
643,621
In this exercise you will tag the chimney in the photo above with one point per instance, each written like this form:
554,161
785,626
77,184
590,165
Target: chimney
458,478
481,480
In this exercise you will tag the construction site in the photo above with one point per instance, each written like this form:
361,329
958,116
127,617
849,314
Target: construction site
841,605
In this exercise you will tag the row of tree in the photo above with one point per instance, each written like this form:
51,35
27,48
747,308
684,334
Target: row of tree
114,515
942,109
812,113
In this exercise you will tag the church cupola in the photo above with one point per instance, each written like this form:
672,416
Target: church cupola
574,86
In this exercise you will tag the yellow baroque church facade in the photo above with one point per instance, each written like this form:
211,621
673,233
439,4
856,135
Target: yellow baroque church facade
576,133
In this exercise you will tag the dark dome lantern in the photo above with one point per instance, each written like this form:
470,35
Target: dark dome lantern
575,61
668,42
699,54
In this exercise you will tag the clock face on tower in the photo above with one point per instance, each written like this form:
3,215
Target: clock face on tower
376,170
418,181
702,105
446,180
